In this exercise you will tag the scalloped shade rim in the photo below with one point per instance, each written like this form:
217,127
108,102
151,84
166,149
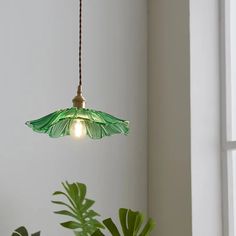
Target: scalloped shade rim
98,124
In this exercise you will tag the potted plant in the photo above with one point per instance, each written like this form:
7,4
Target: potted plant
84,220
22,231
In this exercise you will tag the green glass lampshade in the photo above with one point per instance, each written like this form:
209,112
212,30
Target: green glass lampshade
95,124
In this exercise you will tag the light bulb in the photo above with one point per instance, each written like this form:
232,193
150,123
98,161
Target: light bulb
78,129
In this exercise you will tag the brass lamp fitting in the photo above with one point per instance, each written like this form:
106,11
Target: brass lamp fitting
79,100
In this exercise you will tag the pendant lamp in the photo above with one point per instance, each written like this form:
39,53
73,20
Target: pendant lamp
78,121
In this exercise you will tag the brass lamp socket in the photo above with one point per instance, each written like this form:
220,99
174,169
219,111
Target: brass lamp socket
79,100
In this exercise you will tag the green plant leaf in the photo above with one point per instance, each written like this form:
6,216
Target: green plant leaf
111,227
65,213
123,215
64,204
98,233
78,207
132,216
138,223
36,234
91,214
22,231
148,228
87,205
71,225
131,222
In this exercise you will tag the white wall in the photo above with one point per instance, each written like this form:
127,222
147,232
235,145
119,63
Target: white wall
38,56
232,18
184,117
205,118
169,117
233,96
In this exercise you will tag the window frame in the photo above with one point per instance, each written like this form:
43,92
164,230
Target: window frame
229,227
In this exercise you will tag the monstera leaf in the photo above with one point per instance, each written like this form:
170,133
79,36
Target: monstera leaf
84,222
22,231
131,223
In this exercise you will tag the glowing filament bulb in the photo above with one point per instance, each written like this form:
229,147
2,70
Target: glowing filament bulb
78,129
